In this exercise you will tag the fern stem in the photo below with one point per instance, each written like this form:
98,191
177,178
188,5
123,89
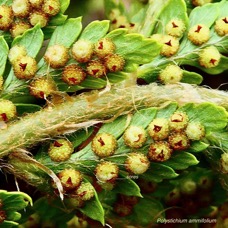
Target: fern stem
86,109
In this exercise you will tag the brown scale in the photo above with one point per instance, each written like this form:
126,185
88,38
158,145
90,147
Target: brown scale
95,71
57,144
4,117
157,128
225,20
174,25
213,61
169,43
74,80
100,140
23,66
139,137
198,28
100,45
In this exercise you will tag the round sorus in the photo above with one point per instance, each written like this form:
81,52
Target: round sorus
16,52
221,26
158,129
38,17
19,28
60,150
73,74
188,187
114,62
209,57
36,3
224,163
120,22
122,209
21,8
195,131
106,172
70,178
178,121
199,34
96,69
135,136
82,51
205,182
85,191
179,141
159,151
42,87
25,67
175,27
104,145
170,45
200,2
7,110
73,201
57,56
171,74
173,197
137,163
104,47
51,7
6,17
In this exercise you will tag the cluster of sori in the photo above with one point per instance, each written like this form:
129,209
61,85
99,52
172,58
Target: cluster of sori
119,20
24,14
191,196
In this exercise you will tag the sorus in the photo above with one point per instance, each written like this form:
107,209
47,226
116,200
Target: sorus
6,17
25,67
158,129
16,52
7,110
36,3
209,57
57,56
70,178
170,45
175,27
85,191
114,62
137,163
195,131
221,26
51,7
21,8
178,121
38,17
19,28
60,150
200,2
82,51
199,34
171,74
104,145
104,47
73,74
179,141
42,87
135,136
159,151
96,69
106,172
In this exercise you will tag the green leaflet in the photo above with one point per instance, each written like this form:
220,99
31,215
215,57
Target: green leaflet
146,212
59,19
178,11
64,5
208,14
70,29
27,108
95,31
158,172
219,139
7,2
13,202
112,4
93,209
134,47
211,116
167,111
198,146
127,186
182,160
80,136
4,49
191,77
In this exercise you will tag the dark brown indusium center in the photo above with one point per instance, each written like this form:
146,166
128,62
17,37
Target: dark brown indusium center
100,140
57,144
198,28
23,66
169,43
